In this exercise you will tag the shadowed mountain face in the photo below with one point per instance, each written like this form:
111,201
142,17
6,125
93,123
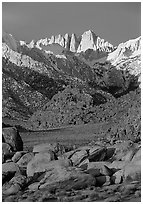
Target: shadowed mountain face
33,75
9,40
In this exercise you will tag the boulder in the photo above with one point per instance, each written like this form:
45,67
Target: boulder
17,156
84,164
80,181
9,170
19,179
71,177
124,150
93,172
132,171
78,157
3,159
6,151
129,155
109,152
103,180
42,163
137,156
25,159
99,168
34,186
15,185
13,189
68,155
117,165
97,153
12,137
117,177
10,167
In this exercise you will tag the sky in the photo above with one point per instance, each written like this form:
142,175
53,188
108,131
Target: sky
116,22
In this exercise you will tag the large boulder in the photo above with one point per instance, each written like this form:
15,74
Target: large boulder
124,150
15,185
117,165
9,170
99,169
16,157
103,180
117,177
11,136
25,159
97,153
78,157
41,162
10,167
72,177
137,156
6,150
132,171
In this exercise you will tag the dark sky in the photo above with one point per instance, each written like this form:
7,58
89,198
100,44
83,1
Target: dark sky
114,21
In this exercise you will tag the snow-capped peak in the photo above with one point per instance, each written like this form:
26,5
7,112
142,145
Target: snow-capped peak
131,48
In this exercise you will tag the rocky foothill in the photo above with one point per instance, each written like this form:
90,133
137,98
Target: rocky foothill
75,107
98,171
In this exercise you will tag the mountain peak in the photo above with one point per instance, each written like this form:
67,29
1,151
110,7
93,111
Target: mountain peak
89,32
73,43
130,48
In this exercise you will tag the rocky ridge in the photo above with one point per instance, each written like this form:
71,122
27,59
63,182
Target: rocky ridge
129,49
88,40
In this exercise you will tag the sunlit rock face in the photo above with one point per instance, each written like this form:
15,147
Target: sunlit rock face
89,40
127,57
129,49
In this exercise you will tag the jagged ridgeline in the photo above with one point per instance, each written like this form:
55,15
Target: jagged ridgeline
70,79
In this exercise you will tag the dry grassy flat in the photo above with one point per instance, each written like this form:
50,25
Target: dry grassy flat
78,135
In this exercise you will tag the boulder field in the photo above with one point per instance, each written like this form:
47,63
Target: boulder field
54,172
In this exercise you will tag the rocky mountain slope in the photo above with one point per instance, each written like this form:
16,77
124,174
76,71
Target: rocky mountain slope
74,107
129,49
33,75
127,56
